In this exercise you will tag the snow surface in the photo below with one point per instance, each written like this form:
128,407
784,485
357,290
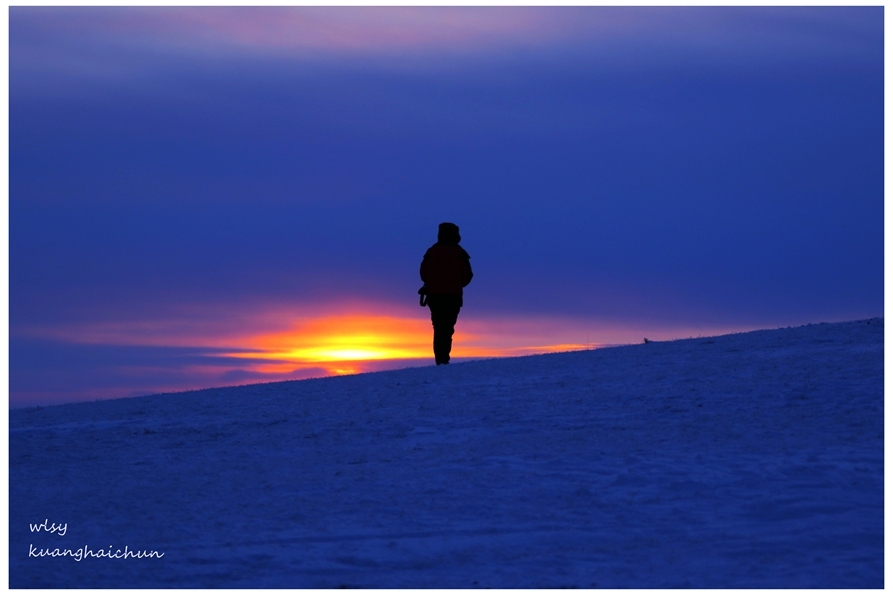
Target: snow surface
747,460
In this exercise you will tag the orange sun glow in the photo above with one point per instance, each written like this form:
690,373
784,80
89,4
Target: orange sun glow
341,344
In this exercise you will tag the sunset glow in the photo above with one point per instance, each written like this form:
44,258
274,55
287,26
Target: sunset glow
211,345
343,344
345,338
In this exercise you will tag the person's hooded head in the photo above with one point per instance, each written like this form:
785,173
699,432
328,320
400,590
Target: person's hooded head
448,233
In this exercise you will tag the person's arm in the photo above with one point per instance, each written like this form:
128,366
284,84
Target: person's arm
466,272
423,270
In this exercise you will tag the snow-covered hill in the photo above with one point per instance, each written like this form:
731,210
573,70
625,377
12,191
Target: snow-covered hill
747,460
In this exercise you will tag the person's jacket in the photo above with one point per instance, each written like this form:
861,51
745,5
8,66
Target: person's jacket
445,269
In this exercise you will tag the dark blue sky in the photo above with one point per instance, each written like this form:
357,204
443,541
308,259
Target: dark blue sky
628,168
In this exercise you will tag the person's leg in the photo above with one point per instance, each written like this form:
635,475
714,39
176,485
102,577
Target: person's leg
444,312
450,315
436,317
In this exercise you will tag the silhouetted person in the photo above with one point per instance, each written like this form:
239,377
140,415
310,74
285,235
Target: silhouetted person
445,270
